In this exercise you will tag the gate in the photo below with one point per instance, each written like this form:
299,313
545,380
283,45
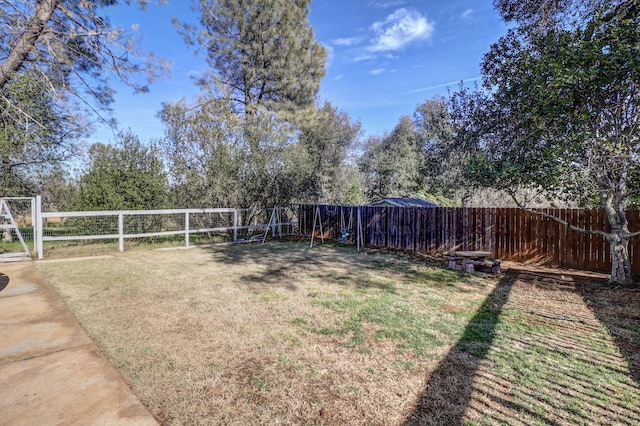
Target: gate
17,227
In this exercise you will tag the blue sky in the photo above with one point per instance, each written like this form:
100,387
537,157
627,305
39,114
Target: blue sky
385,57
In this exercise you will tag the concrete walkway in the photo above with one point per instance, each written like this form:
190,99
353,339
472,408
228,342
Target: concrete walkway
50,370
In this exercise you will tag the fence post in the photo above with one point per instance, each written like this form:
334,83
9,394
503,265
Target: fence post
235,225
121,232
186,229
34,226
39,225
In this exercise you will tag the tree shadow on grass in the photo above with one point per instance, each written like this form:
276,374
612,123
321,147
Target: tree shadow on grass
270,265
619,311
278,263
552,356
448,391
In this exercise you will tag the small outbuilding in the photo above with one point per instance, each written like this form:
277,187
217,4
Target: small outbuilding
403,202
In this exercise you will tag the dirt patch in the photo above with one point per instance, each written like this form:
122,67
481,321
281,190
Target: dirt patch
452,308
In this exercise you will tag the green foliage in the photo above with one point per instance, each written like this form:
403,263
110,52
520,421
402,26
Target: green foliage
564,112
561,112
392,164
203,151
214,161
128,176
446,154
73,47
57,62
29,148
255,137
57,189
328,138
426,156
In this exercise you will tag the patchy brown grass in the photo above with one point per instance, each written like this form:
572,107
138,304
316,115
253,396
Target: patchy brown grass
280,333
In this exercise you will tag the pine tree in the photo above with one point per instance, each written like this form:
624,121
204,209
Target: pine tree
262,51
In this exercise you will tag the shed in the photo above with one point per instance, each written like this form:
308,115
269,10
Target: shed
402,202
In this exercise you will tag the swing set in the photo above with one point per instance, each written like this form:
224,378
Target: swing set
346,225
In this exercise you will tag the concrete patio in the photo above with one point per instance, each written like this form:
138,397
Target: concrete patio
51,372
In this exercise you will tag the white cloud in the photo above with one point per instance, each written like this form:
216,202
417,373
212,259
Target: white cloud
350,41
364,57
390,3
377,71
466,14
402,27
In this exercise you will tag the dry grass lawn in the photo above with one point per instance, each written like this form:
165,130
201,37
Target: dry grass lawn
283,334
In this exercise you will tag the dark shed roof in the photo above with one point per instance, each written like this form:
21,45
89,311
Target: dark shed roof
403,202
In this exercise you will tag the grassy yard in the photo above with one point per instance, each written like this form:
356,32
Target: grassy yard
283,334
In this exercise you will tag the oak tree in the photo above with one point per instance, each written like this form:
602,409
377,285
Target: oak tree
392,164
328,137
561,112
128,175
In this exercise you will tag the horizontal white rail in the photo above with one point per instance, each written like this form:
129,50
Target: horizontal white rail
183,228
132,212
81,237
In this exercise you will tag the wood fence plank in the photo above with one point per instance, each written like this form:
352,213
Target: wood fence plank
493,234
595,245
570,246
586,241
500,232
557,236
411,227
585,247
544,239
512,236
634,254
504,229
479,219
575,240
436,225
419,247
562,239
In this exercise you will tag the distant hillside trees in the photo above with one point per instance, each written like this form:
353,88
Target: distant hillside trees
210,162
392,164
421,157
328,139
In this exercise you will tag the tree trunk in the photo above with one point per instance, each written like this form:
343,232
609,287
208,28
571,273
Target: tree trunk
34,29
614,202
620,262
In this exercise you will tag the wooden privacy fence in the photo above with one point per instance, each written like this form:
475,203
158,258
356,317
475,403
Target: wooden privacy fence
509,233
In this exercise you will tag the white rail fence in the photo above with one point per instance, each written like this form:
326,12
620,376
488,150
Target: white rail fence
194,224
